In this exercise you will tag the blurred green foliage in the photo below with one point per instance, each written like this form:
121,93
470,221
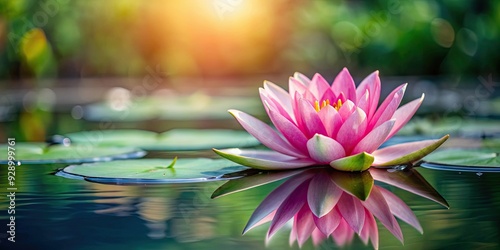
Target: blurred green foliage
401,37
63,38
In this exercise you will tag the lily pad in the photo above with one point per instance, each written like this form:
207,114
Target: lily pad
456,126
173,140
153,171
41,153
174,106
136,111
481,159
199,106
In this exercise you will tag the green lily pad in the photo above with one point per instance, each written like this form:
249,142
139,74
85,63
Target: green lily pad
153,171
197,106
173,140
481,159
457,126
136,111
200,106
41,153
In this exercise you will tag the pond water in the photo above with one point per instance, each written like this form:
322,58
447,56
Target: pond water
72,214
62,213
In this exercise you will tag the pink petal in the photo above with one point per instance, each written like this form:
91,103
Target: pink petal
298,116
331,120
288,208
352,211
343,234
293,236
404,114
318,237
318,86
291,132
280,95
374,139
405,153
263,159
324,149
274,104
328,95
323,194
272,202
378,206
347,109
302,78
266,219
364,235
364,102
372,84
264,133
388,107
303,224
400,209
352,130
310,119
371,224
296,86
297,91
344,83
329,222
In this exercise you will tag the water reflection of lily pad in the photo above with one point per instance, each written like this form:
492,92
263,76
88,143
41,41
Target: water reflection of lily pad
41,153
480,159
452,125
152,171
197,106
204,107
175,139
137,111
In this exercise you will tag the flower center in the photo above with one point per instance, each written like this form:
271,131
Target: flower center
324,103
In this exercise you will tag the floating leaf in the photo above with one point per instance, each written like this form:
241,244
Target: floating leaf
153,171
480,159
41,153
199,139
452,125
136,111
174,140
197,106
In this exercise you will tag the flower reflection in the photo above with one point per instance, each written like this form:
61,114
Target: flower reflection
324,202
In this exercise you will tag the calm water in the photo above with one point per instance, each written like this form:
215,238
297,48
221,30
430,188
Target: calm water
54,212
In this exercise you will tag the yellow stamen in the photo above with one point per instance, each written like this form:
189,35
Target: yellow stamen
324,103
338,105
316,106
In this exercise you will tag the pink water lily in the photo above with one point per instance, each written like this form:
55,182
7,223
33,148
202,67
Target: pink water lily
339,125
